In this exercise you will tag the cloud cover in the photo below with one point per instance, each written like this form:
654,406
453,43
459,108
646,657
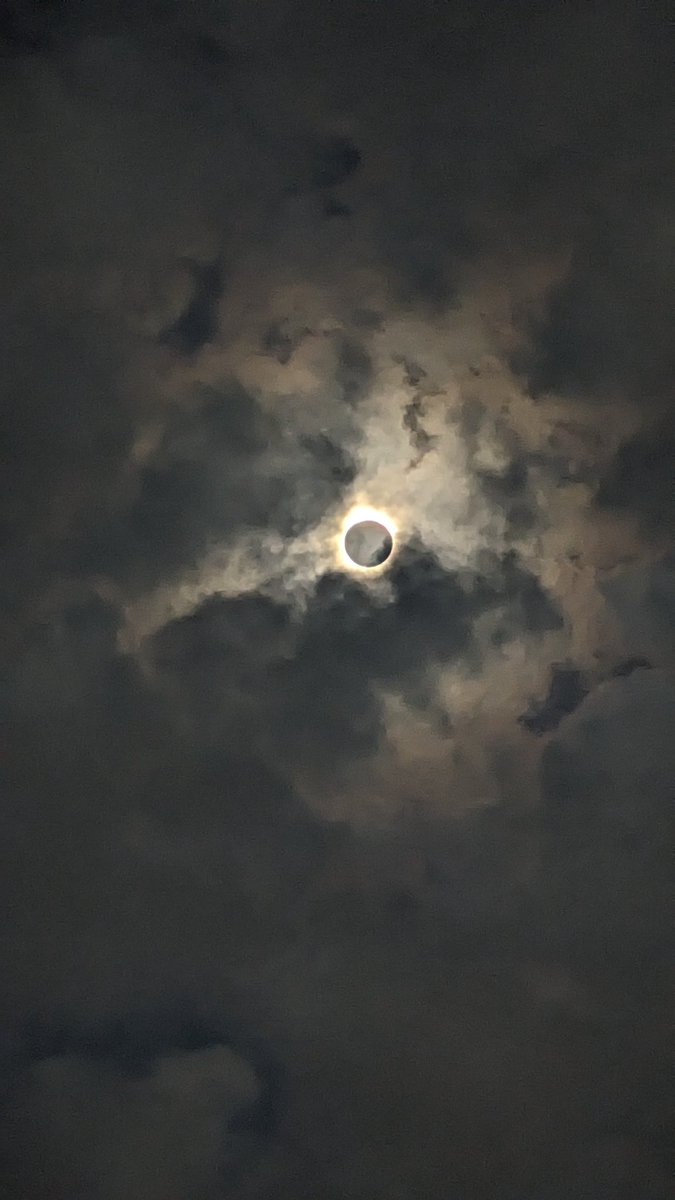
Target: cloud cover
318,885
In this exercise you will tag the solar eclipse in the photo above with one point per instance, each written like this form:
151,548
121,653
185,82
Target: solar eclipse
367,539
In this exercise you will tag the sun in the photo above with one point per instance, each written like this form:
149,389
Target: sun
363,514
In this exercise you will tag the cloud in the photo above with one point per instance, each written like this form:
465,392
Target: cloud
66,432
604,329
322,885
249,667
222,468
566,691
643,598
98,1131
648,454
334,160
607,782
198,323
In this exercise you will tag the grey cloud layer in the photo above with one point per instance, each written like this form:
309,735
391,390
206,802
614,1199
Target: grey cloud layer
313,886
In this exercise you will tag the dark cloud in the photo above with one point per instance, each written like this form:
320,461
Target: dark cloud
307,692
354,371
421,441
364,318
628,665
643,599
566,691
336,208
416,409
185,494
533,608
502,485
282,343
607,784
649,455
333,161
424,280
97,1130
198,323
331,459
134,1047
508,490
65,433
605,327
210,478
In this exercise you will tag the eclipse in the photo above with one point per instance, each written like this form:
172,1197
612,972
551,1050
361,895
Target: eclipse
368,543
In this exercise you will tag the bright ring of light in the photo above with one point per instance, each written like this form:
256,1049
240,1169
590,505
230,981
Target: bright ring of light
363,512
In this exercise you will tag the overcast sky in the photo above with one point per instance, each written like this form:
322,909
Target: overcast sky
320,884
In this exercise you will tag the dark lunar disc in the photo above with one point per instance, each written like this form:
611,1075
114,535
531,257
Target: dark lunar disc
368,544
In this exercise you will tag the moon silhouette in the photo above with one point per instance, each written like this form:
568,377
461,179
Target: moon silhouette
368,543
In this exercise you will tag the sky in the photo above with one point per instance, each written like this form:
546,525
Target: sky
318,883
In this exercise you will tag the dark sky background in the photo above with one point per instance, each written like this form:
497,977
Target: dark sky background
317,885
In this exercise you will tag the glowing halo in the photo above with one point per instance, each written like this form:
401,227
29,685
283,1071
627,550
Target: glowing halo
356,515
